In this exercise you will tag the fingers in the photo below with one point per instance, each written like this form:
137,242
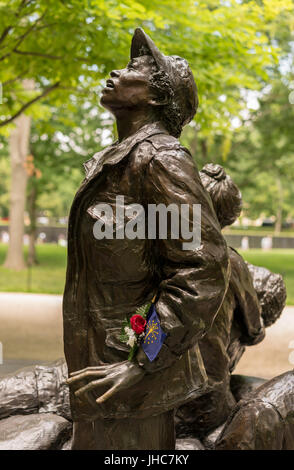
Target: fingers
112,391
105,376
77,372
93,368
92,371
91,386
85,375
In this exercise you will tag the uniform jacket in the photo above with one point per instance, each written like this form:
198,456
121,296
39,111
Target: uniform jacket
108,279
238,324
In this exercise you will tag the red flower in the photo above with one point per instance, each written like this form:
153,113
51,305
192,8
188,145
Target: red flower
138,323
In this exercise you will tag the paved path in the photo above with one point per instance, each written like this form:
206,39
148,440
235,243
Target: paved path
31,333
31,326
276,352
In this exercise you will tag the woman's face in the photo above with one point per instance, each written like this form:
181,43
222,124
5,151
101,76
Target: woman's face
129,87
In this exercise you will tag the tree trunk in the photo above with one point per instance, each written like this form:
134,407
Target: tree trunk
19,149
279,213
203,144
32,197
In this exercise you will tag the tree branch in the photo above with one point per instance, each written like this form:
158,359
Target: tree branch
4,34
38,54
29,103
48,25
21,38
12,80
8,28
41,54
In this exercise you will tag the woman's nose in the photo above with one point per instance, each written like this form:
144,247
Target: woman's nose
115,73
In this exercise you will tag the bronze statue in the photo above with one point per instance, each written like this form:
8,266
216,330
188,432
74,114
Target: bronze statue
264,420
255,299
116,403
35,414
209,303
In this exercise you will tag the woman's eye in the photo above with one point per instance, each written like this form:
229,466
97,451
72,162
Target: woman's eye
131,66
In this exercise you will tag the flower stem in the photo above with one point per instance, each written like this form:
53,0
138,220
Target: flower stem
132,352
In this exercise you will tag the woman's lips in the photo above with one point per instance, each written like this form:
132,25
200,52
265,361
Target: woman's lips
109,83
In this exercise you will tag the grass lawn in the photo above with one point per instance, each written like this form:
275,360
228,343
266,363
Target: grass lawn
49,276
277,261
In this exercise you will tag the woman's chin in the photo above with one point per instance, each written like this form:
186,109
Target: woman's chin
105,100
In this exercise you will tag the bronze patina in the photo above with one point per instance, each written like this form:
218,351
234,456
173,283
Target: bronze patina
210,303
112,399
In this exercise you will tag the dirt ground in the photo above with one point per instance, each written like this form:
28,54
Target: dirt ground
31,333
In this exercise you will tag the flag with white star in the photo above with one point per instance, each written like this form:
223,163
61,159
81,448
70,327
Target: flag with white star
154,335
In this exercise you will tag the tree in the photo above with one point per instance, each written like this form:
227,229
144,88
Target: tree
59,146
261,158
19,148
4,178
66,48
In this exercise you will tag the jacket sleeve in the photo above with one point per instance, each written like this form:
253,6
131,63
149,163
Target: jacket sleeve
247,314
193,281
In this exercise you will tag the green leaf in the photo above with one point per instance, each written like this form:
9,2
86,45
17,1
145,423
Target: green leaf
143,310
123,336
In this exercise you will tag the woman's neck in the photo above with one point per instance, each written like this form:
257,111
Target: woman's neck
130,121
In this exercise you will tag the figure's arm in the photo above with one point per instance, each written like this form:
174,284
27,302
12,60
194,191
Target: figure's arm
248,310
271,292
194,281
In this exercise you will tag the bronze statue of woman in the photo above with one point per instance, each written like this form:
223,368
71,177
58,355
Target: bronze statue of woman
117,403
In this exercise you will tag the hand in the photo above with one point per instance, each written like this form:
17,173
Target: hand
116,377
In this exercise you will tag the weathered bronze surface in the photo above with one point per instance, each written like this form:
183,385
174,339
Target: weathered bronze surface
255,297
45,431
34,408
210,302
261,412
39,389
264,420
151,99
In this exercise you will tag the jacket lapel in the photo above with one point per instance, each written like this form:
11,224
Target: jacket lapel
116,152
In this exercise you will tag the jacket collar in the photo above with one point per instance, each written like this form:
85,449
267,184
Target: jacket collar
114,153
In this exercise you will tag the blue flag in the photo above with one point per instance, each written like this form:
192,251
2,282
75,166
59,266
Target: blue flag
154,336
